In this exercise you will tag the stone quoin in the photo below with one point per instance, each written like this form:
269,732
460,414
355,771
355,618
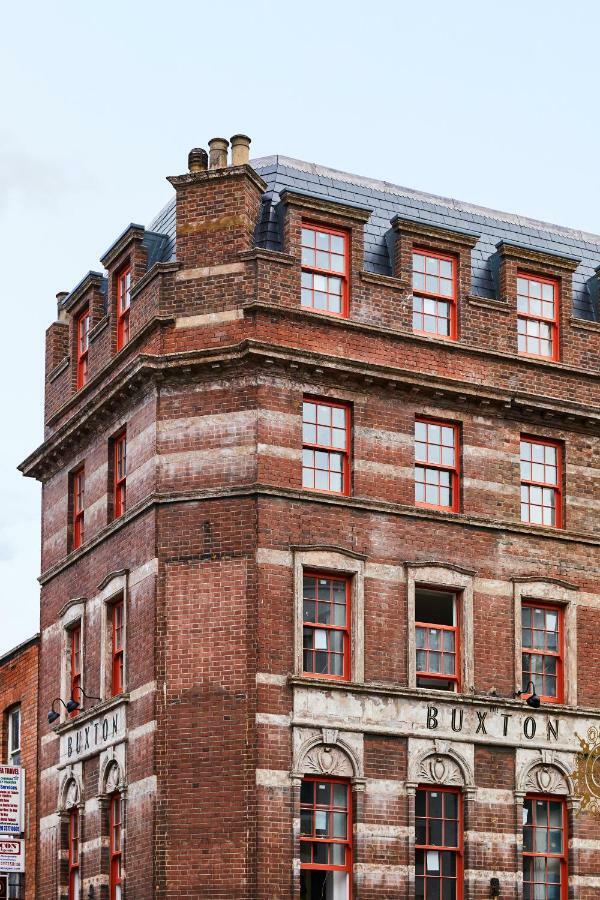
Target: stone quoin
321,483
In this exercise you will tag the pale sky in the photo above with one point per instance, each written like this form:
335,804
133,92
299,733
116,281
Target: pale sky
493,103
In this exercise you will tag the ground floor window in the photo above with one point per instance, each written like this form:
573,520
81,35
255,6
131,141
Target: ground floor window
325,839
438,844
544,849
16,886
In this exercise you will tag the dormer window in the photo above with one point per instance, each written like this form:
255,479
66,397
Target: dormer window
83,343
123,304
537,322
324,270
434,294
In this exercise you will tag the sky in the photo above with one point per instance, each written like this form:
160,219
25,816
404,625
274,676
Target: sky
492,103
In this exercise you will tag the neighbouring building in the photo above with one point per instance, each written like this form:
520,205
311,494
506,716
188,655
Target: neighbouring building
321,483
18,740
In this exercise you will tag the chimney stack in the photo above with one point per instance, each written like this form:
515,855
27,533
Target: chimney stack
240,149
197,160
218,153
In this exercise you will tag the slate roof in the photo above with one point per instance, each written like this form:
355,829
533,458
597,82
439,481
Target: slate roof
389,200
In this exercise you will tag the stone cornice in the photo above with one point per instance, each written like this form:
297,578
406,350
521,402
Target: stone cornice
429,696
328,207
257,491
524,254
189,178
513,404
429,230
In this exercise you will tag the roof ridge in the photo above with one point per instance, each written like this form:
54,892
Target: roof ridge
413,193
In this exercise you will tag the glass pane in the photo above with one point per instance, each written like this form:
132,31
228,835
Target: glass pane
339,825
435,804
306,821
340,795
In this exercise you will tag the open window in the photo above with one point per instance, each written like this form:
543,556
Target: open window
437,639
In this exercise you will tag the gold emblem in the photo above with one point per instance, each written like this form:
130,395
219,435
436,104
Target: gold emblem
586,774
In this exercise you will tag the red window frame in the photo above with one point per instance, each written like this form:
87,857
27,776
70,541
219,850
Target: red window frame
313,451
421,295
118,647
558,655
74,881
116,846
312,843
433,470
120,473
311,272
525,301
78,501
443,652
82,324
428,846
531,856
529,484
75,662
331,629
123,306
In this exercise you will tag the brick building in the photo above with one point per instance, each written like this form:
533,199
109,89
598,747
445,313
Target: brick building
18,739
320,494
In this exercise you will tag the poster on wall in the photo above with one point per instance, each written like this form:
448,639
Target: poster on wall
12,856
12,790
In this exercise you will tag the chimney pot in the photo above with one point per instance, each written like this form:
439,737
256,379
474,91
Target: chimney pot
60,297
240,149
197,160
218,153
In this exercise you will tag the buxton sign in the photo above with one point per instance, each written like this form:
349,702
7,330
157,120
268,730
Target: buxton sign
414,716
12,789
93,735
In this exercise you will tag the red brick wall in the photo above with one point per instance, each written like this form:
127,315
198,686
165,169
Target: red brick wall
19,685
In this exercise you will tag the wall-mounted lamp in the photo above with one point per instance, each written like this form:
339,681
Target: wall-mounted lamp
71,705
532,700
52,714
494,887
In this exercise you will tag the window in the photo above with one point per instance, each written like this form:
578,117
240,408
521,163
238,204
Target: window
436,464
326,627
544,849
324,270
537,316
123,304
120,474
118,647
541,502
116,849
74,893
325,451
78,506
75,661
438,844
83,343
434,294
541,645
325,840
13,720
436,639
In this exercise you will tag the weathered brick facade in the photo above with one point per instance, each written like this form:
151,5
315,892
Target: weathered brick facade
216,724
18,702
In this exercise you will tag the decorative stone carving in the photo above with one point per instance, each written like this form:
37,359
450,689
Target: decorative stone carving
439,769
328,760
546,779
112,778
327,753
69,794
